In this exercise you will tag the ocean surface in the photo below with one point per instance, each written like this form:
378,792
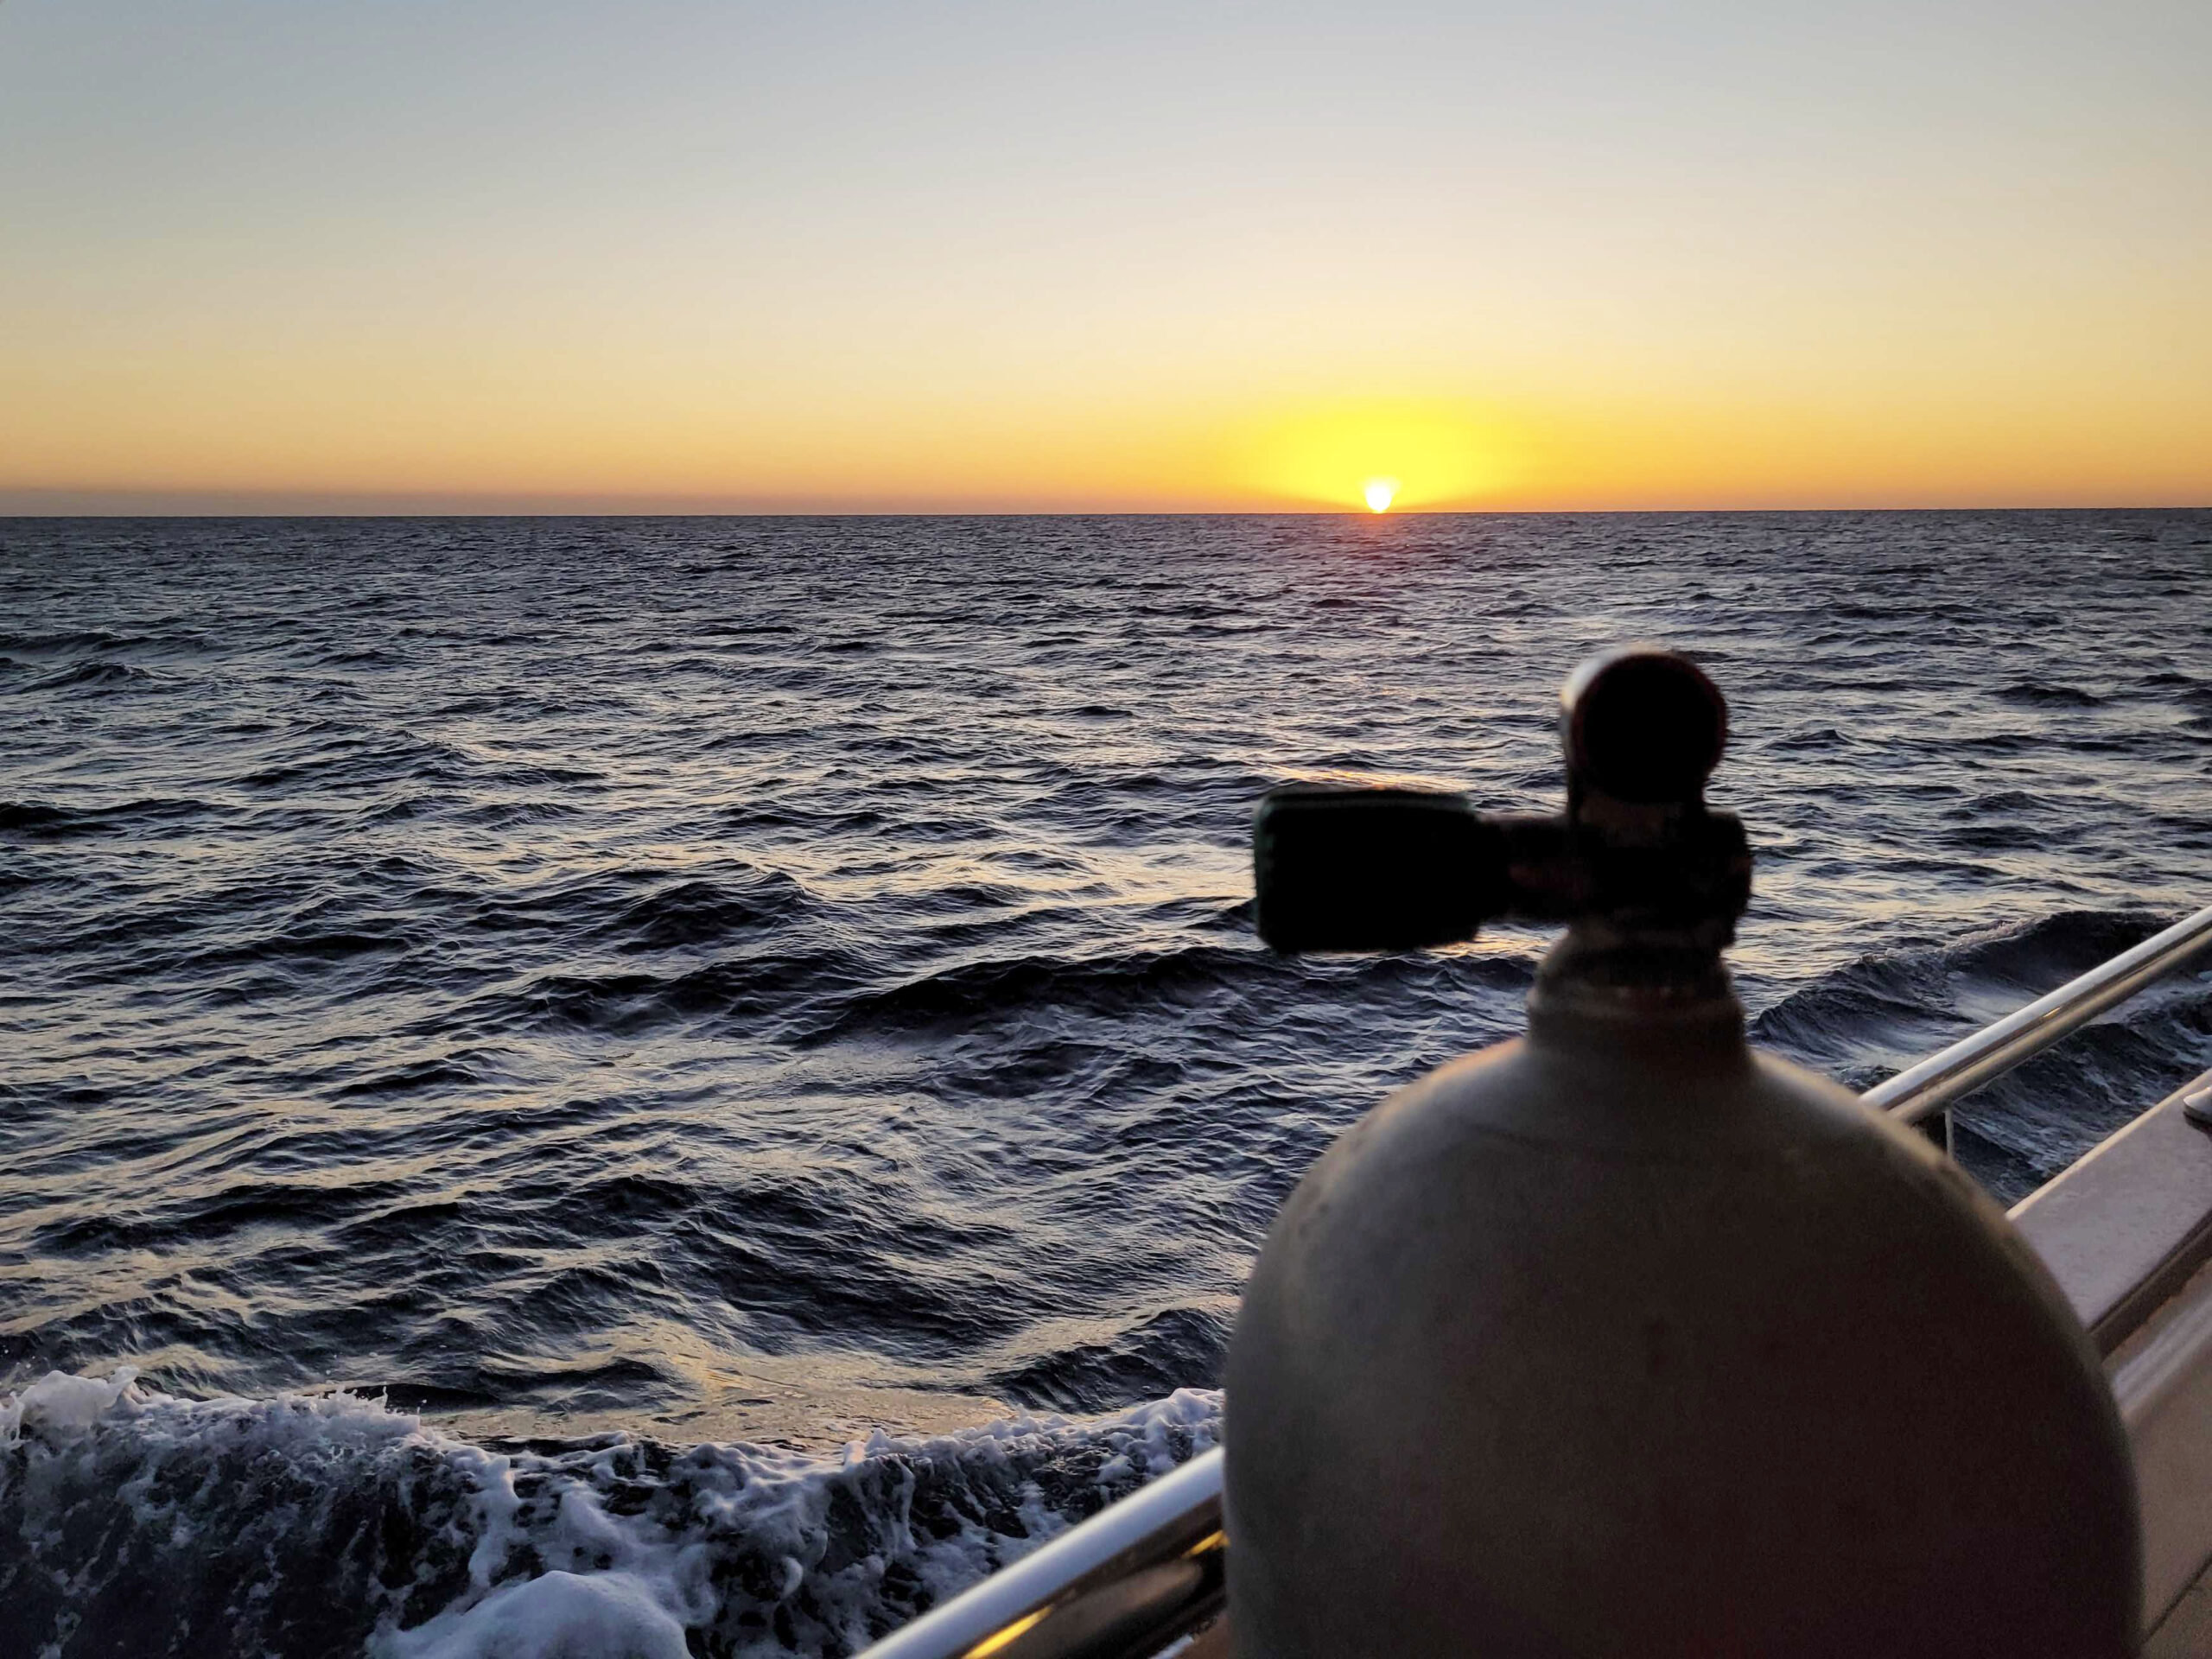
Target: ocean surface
685,1086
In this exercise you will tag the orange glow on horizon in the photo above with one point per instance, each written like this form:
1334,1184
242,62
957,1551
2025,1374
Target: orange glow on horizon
502,420
181,434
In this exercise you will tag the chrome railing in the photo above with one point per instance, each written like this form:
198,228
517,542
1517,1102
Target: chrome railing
1149,1570
1129,1581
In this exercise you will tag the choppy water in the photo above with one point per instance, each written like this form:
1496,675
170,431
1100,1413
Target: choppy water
654,1001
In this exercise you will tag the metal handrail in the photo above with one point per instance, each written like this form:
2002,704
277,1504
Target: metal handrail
1922,1090
1146,1570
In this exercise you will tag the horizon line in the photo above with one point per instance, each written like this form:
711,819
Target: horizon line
71,504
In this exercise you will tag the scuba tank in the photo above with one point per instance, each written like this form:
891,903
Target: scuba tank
1623,1338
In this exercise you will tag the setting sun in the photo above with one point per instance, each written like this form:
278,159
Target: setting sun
1389,454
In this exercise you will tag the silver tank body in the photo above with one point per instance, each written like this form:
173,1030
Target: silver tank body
1623,1338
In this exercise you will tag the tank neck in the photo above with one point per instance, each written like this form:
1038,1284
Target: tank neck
1666,988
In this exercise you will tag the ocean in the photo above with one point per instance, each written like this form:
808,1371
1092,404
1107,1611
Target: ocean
676,1086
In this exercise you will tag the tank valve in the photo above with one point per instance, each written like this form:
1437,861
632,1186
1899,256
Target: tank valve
1397,869
1623,1338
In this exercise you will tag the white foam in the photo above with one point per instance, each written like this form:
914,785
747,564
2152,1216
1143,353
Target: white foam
557,1616
623,1550
58,1402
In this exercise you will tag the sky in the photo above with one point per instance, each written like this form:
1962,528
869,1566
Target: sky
890,255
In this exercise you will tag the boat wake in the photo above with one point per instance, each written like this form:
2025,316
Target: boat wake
313,1525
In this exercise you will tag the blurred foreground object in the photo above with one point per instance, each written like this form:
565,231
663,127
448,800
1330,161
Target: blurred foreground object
1622,1337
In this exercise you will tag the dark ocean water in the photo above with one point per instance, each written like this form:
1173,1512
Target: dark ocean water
655,1086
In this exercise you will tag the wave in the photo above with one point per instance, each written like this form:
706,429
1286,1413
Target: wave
1870,1018
752,979
42,822
95,671
72,640
310,1525
1150,1357
1842,1015
1123,982
701,912
2039,694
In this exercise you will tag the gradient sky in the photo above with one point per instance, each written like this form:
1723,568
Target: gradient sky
853,254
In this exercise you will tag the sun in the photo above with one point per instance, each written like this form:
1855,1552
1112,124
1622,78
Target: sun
1382,454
